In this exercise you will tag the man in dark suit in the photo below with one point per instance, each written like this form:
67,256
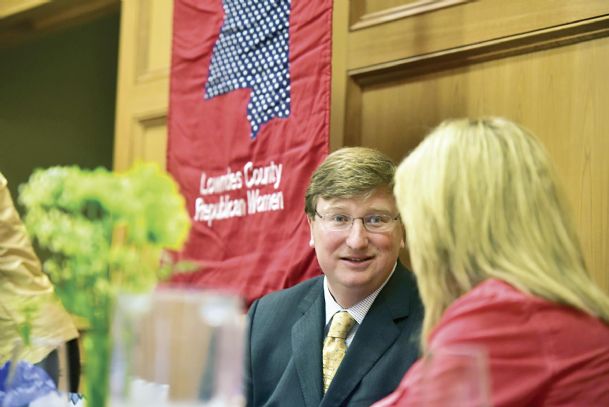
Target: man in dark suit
347,337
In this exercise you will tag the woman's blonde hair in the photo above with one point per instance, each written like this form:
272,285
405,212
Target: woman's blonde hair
480,199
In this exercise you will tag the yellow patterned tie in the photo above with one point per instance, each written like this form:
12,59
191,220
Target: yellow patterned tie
335,346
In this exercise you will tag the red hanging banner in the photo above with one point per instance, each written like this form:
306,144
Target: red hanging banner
248,124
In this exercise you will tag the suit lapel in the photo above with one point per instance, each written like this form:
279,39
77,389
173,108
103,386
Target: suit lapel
307,337
376,334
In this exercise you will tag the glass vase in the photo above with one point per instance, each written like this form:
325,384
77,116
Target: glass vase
178,347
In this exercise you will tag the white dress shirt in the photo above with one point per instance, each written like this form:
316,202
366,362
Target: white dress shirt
357,311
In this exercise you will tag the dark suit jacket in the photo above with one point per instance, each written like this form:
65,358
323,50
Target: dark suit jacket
283,357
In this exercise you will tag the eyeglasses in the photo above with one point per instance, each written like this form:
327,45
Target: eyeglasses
374,223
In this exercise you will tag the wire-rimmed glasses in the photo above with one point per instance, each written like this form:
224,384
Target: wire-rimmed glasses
373,223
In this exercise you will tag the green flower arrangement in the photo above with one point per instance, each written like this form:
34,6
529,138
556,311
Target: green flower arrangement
105,233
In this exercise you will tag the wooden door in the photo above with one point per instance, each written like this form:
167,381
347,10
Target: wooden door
143,82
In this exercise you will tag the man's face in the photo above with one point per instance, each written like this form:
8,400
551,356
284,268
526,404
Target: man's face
355,261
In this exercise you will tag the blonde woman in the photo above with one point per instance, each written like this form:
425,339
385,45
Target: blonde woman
500,267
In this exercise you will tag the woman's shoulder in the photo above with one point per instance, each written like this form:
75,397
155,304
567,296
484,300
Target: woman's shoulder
497,312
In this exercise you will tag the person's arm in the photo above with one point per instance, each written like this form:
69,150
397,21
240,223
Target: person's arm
19,264
25,285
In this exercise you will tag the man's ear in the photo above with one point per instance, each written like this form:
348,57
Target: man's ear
312,241
403,236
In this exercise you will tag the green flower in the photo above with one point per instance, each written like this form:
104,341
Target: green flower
104,231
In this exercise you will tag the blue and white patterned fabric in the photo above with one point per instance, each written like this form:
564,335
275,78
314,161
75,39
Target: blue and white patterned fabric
252,51
23,384
29,385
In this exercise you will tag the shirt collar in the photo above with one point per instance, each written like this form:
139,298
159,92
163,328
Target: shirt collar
357,311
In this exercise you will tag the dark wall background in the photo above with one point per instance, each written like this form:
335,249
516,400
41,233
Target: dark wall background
57,99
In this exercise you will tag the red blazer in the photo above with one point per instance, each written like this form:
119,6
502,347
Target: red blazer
539,353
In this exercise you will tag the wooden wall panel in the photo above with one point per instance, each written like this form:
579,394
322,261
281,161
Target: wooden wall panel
544,91
543,67
466,23
366,13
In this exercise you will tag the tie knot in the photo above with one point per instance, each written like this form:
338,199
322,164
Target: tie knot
341,324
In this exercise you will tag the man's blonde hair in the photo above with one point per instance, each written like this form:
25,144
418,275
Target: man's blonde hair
480,199
347,173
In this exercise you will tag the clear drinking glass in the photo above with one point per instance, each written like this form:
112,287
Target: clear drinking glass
178,348
454,376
